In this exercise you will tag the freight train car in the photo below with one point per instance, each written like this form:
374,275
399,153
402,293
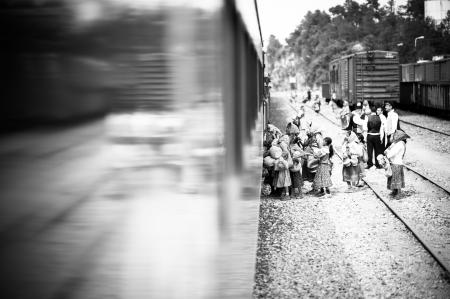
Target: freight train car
426,87
370,75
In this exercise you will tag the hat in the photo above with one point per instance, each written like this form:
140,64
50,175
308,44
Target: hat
399,135
275,152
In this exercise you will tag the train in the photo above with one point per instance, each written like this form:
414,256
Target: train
181,80
369,75
426,87
70,60
377,76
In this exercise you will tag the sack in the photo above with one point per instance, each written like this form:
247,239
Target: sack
345,120
268,161
388,171
290,162
312,163
346,162
365,155
275,152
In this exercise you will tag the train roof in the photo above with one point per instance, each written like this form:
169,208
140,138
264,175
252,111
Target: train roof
363,53
249,14
426,62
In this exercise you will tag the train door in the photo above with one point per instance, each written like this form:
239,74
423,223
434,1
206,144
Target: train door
351,79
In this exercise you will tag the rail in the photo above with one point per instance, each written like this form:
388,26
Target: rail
439,258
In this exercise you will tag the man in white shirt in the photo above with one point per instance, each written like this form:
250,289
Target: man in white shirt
391,122
383,125
357,120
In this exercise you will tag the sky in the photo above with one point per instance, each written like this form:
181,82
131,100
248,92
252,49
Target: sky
281,17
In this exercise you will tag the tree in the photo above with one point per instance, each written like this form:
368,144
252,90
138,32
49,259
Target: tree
273,52
416,9
350,27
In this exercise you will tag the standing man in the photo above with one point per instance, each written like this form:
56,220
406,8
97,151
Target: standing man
373,138
391,122
357,122
383,138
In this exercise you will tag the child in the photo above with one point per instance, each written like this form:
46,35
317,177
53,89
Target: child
322,180
282,177
295,171
362,158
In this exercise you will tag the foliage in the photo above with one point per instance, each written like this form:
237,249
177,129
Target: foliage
322,36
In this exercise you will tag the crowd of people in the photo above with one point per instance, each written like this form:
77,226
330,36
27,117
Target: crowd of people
373,139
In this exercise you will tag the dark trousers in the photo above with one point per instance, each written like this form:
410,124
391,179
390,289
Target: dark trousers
374,144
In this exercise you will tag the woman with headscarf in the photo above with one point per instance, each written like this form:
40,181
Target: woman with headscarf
395,153
352,153
311,145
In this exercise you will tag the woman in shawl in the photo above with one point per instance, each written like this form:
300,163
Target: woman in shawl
352,153
395,153
311,163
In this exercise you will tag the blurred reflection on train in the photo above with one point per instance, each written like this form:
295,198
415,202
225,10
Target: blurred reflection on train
157,105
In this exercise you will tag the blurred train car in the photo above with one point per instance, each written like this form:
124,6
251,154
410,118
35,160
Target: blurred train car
178,87
370,75
64,60
426,87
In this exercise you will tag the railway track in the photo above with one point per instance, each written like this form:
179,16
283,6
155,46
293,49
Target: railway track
422,127
442,260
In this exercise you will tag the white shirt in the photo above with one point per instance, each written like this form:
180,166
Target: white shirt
391,122
395,152
383,125
358,121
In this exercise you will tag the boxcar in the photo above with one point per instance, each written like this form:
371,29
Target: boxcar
426,86
370,75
